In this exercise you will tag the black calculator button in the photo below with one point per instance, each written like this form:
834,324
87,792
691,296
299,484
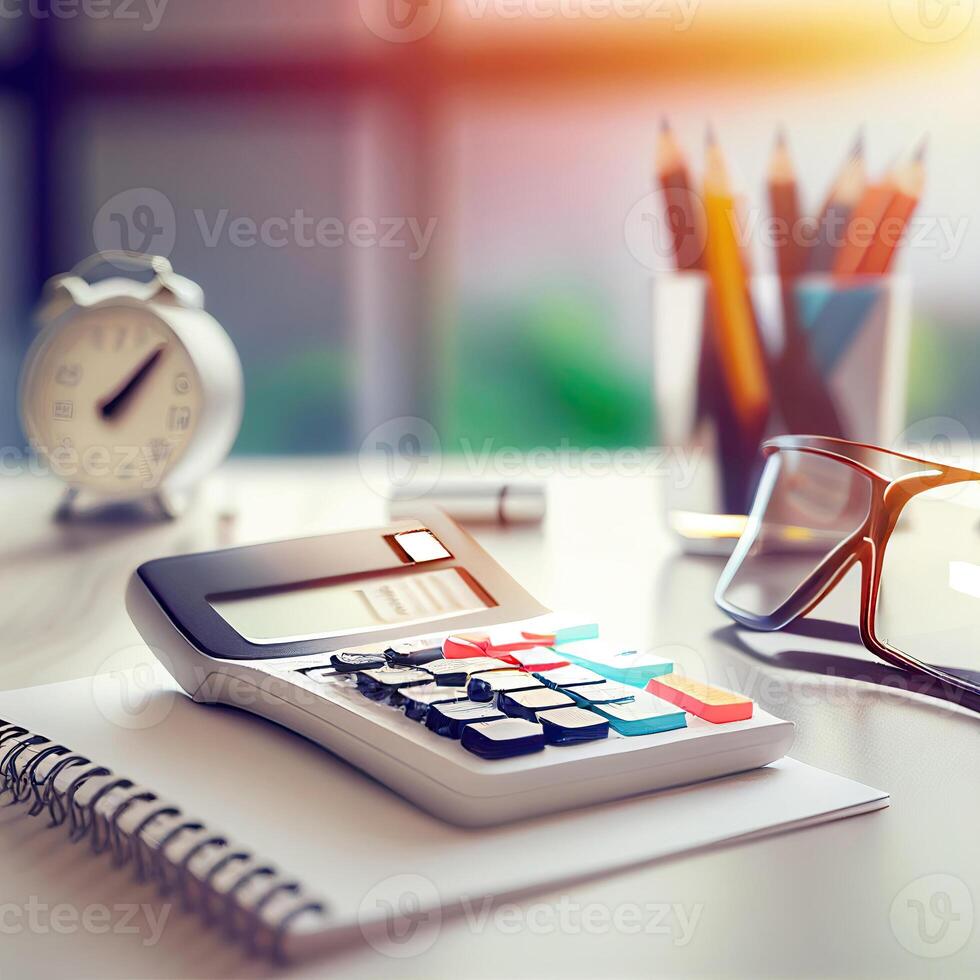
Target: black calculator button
568,726
347,663
383,684
418,700
458,671
503,739
413,653
484,687
450,720
526,704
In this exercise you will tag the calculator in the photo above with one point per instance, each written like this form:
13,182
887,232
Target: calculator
407,651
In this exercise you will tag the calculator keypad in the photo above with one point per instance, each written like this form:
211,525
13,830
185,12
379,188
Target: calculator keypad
508,698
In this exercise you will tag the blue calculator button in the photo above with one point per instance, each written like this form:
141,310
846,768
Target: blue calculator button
570,676
644,715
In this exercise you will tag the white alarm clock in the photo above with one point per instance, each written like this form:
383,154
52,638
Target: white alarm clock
131,391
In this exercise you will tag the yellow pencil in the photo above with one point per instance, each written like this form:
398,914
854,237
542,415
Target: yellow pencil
738,340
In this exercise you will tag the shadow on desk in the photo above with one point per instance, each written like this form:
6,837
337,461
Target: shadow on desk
860,668
822,647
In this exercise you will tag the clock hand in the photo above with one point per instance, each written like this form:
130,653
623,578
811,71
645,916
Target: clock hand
117,400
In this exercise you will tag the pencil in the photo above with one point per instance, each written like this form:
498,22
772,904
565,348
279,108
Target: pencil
908,182
784,206
801,394
683,217
862,227
844,194
738,341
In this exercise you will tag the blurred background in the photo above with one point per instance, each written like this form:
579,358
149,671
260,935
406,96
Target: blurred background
415,207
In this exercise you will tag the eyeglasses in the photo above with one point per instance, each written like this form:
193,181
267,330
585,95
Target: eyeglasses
824,505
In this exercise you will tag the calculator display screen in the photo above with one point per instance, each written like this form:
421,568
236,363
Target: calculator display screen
358,605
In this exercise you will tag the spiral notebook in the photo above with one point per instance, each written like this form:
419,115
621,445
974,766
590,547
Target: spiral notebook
275,843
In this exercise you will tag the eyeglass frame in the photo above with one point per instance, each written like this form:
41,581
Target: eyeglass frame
866,544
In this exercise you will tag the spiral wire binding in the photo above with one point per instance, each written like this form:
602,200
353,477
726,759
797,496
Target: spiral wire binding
149,859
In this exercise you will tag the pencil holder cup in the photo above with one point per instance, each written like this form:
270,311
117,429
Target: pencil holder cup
835,358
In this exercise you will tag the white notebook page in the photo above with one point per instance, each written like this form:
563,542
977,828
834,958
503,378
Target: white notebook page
351,840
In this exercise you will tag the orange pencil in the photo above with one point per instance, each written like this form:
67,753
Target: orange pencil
908,181
837,209
738,341
863,225
683,217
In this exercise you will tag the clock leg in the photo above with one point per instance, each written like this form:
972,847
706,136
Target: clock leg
173,504
66,506
165,504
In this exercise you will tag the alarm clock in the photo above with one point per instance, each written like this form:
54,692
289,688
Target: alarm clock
131,392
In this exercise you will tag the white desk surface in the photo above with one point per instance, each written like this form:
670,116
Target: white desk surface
837,900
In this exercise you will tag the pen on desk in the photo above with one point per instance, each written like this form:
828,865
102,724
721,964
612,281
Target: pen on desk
837,209
475,502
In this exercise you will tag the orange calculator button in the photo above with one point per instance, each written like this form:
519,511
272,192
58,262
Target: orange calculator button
702,700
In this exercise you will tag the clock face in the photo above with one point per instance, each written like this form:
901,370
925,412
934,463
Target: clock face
112,399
